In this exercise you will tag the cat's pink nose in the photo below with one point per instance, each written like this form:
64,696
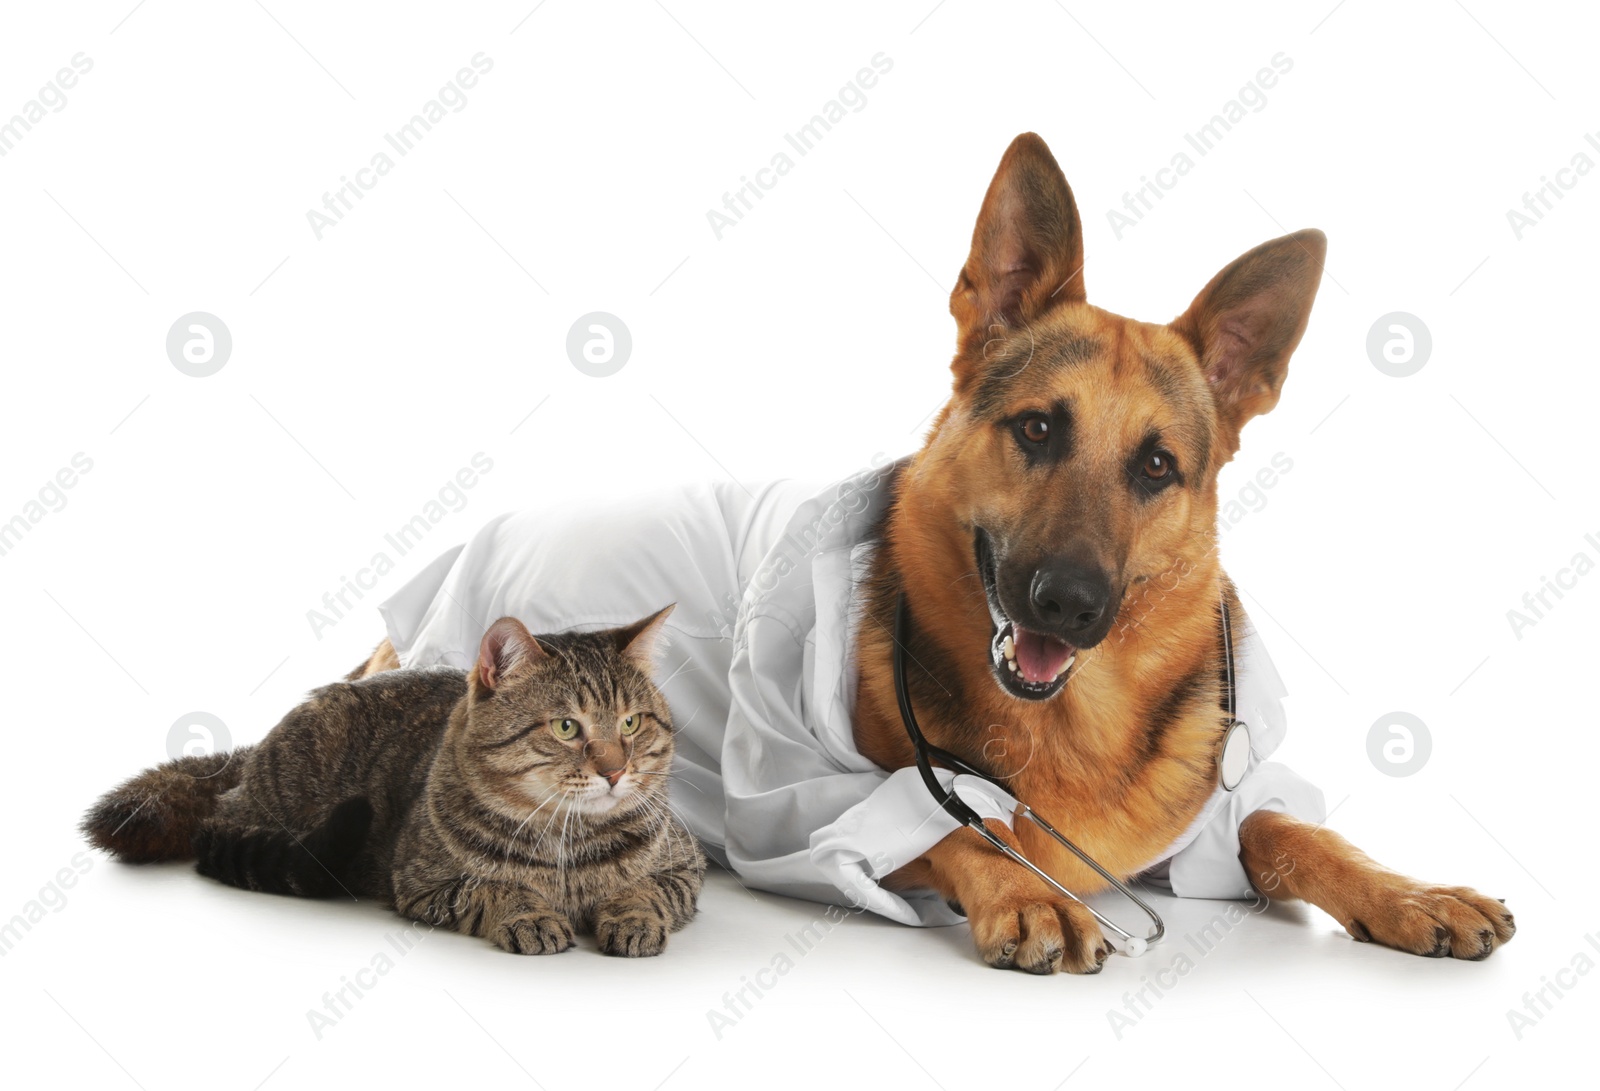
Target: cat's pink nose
614,775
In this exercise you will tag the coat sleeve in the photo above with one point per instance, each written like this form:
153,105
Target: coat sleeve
1209,867
813,821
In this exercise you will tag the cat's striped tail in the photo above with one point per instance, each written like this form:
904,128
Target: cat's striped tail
276,861
155,815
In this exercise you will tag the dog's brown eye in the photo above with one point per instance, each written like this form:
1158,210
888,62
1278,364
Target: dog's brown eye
1035,428
1158,465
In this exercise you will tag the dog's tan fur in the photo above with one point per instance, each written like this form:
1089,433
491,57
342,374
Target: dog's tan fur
1124,756
383,658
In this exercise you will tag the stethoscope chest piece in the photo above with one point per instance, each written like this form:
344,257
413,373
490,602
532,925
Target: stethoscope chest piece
1235,759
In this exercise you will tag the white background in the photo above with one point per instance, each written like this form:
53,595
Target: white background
369,366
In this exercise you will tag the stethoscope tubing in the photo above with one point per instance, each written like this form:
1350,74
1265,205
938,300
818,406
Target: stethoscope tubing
958,809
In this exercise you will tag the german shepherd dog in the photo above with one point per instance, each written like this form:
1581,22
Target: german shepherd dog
1073,470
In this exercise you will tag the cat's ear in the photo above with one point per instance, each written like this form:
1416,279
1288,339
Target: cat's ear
641,641
505,647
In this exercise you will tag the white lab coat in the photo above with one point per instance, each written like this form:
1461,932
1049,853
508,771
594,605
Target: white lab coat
760,675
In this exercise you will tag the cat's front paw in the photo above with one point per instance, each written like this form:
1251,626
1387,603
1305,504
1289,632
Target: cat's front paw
534,934
631,935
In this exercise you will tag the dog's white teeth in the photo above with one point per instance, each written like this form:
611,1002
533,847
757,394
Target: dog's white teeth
1012,663
1065,667
1009,647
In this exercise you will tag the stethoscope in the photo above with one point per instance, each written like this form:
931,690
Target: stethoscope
1232,764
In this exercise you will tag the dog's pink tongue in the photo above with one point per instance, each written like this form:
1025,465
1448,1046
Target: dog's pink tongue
1040,657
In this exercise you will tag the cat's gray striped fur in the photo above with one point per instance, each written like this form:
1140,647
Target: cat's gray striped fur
520,802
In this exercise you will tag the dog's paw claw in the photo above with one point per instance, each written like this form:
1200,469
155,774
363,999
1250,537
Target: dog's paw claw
1435,922
1041,937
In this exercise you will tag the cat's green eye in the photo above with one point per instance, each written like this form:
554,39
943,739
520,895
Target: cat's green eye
565,730
631,723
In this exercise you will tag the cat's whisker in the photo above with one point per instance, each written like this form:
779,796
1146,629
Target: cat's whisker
687,663
676,728
676,827
688,783
677,815
548,825
668,817
659,820
518,831
561,846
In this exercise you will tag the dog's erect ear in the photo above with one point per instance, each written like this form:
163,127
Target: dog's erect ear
1027,249
505,647
641,641
1245,324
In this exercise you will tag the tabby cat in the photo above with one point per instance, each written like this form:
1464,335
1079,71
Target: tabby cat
518,802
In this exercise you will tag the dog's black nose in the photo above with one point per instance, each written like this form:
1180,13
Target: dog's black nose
1068,597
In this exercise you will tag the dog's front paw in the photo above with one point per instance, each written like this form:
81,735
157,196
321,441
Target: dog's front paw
1435,921
1039,934
631,935
534,934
